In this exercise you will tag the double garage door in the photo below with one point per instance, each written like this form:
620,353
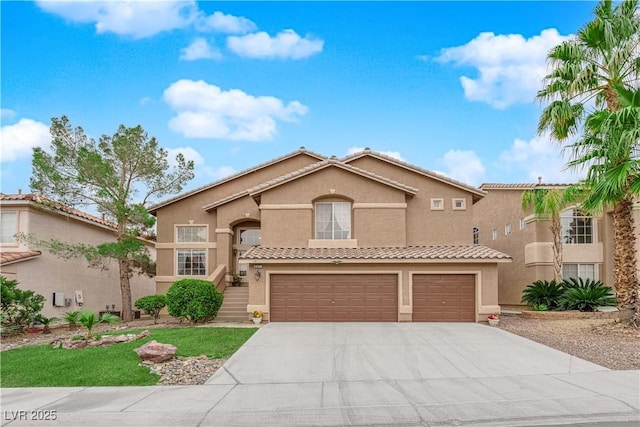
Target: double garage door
370,298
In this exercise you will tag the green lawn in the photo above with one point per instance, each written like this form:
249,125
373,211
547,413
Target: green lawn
115,365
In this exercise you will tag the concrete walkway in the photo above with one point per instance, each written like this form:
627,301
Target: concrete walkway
361,374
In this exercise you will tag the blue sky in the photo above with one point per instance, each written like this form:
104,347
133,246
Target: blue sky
448,86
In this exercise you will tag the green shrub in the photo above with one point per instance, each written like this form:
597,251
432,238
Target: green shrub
581,283
151,305
587,298
88,319
194,300
541,307
543,292
19,308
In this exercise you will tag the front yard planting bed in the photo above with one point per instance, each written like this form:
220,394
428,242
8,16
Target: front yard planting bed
559,315
116,365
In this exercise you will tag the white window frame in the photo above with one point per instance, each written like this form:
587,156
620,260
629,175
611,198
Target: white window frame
494,234
204,227
523,223
507,229
332,220
581,237
437,204
191,251
462,201
10,241
580,267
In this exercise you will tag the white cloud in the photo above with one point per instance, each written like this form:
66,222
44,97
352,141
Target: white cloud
538,157
199,49
145,100
464,166
222,23
219,172
510,67
206,111
18,140
138,19
6,113
394,154
286,44
188,153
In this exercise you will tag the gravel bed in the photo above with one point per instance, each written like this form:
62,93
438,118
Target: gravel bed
185,370
606,342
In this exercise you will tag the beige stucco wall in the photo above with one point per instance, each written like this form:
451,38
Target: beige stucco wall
48,273
425,226
189,210
486,281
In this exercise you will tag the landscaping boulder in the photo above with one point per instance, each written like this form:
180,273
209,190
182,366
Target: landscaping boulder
156,352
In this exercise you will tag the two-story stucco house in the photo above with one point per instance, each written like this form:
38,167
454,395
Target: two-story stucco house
69,284
501,223
363,238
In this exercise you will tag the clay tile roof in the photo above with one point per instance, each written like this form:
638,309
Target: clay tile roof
519,186
11,257
462,252
478,193
159,205
55,207
307,170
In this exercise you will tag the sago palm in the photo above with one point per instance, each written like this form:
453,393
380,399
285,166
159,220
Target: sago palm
593,69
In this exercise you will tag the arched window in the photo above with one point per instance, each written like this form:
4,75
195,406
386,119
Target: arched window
333,220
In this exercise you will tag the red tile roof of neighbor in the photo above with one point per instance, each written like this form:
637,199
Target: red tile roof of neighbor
11,257
445,253
55,206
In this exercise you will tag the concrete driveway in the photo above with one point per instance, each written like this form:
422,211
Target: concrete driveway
366,374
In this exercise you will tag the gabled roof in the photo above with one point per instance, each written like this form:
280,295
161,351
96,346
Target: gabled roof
13,257
153,209
56,207
332,162
393,254
476,193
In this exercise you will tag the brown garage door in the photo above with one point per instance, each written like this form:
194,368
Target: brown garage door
334,298
444,298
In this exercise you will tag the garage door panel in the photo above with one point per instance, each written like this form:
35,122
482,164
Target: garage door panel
334,297
443,298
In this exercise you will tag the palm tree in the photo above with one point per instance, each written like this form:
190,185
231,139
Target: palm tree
611,147
548,203
593,69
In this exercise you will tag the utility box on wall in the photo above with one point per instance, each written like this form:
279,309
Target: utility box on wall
58,299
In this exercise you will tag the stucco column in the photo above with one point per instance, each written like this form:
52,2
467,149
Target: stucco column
224,253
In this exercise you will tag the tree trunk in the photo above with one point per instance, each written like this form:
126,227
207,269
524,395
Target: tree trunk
556,231
624,258
125,291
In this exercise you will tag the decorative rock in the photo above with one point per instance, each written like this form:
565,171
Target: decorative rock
154,351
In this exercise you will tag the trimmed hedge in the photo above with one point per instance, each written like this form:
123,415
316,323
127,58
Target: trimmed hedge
151,305
194,300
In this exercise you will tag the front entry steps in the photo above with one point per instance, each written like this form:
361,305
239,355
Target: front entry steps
234,306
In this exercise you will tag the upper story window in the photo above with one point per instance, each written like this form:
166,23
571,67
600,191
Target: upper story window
507,229
191,233
8,227
476,236
577,227
494,234
333,220
523,223
459,204
437,204
249,236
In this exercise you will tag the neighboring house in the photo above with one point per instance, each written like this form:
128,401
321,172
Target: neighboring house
501,223
66,284
364,238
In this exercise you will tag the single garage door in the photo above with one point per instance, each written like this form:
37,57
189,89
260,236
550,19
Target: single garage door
334,298
444,298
